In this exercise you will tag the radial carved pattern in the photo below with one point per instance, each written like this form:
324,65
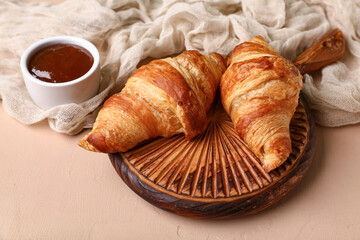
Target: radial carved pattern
215,165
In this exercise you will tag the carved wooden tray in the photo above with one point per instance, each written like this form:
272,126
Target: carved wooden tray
215,175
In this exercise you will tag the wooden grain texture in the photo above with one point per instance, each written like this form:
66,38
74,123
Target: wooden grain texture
215,175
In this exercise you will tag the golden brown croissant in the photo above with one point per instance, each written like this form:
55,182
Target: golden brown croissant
260,91
163,98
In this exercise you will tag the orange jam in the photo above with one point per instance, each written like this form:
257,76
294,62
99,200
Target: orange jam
60,63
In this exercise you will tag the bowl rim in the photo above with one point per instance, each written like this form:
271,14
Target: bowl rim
33,48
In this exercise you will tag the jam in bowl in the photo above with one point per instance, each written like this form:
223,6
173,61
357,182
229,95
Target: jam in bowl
60,62
61,70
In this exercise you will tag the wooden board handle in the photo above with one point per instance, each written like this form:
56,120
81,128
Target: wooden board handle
328,49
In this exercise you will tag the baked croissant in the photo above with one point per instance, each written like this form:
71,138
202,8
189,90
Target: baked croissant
163,98
260,91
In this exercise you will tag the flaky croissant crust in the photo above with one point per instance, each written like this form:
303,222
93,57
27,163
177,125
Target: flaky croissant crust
165,97
260,91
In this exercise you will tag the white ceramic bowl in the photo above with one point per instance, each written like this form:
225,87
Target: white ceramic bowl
47,95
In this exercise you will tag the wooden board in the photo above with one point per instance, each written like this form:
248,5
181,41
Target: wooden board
215,175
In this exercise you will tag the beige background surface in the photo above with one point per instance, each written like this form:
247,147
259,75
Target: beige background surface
52,189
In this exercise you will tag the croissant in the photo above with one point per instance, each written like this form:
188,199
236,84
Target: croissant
163,98
260,91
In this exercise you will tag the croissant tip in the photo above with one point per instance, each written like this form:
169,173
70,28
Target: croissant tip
260,37
81,143
272,161
86,145
269,167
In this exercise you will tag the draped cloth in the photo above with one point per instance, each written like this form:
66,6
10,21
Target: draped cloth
129,33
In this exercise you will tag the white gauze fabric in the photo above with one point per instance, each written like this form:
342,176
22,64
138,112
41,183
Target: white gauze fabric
129,33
